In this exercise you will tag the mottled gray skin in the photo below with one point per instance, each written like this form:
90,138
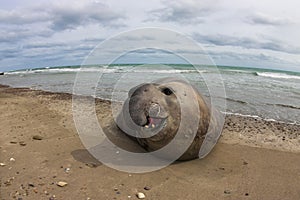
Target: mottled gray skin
143,102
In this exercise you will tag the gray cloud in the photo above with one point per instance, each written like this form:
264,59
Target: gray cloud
34,50
247,43
68,17
23,31
46,33
92,40
6,37
63,16
148,51
251,60
46,51
22,16
263,19
43,45
7,53
183,12
14,35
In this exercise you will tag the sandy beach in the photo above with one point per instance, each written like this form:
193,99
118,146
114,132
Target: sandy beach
254,159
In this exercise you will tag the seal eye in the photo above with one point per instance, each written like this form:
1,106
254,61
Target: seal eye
167,91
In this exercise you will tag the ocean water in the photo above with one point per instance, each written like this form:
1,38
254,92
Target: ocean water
269,94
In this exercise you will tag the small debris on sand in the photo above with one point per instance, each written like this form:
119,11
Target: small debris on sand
62,184
22,143
67,170
227,192
147,188
30,184
91,165
9,181
140,195
37,137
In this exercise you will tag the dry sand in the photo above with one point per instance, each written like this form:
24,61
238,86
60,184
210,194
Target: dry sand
254,159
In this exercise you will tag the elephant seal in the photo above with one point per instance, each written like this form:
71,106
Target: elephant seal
154,113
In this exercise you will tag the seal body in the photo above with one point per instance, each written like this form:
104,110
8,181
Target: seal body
154,113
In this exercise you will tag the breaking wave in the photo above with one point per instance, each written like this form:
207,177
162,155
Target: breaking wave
277,75
114,69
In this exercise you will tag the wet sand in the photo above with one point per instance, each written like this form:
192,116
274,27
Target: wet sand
39,146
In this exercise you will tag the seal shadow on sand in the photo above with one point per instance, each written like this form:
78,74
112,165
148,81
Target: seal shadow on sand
116,136
84,156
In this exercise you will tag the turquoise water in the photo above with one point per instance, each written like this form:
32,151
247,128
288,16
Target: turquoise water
270,94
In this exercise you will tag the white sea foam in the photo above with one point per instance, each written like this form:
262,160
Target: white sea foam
164,71
63,70
260,118
277,75
103,70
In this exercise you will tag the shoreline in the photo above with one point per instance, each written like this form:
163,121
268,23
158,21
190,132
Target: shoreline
250,151
102,99
238,128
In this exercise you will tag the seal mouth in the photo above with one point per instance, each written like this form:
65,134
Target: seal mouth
155,123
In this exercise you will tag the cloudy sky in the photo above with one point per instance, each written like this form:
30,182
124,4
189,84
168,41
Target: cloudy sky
247,33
